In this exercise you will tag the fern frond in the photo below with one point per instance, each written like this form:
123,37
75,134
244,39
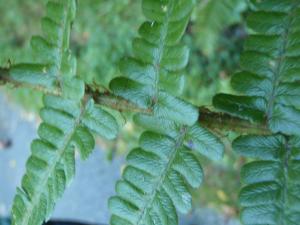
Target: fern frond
269,84
271,191
157,178
68,120
269,80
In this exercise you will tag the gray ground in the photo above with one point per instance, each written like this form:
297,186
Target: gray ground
86,198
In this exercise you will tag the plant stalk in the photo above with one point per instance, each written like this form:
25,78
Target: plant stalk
209,119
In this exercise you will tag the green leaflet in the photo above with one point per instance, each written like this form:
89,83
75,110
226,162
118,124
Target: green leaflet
100,121
271,191
270,69
84,141
252,109
197,138
204,142
175,109
33,74
157,124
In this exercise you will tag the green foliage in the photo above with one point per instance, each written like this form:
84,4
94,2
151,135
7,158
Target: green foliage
153,179
162,170
98,44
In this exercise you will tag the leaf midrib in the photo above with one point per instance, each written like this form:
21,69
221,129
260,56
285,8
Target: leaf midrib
61,42
284,197
161,47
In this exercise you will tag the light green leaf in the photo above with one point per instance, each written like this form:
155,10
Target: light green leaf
204,142
100,121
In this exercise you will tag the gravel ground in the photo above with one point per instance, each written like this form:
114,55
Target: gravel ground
86,198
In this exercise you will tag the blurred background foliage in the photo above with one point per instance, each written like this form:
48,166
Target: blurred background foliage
102,35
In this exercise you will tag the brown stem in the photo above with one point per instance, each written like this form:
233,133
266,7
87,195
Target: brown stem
209,119
226,122
115,102
6,79
3,76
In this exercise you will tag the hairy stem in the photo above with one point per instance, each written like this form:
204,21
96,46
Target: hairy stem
209,119
3,75
114,102
226,122
6,79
